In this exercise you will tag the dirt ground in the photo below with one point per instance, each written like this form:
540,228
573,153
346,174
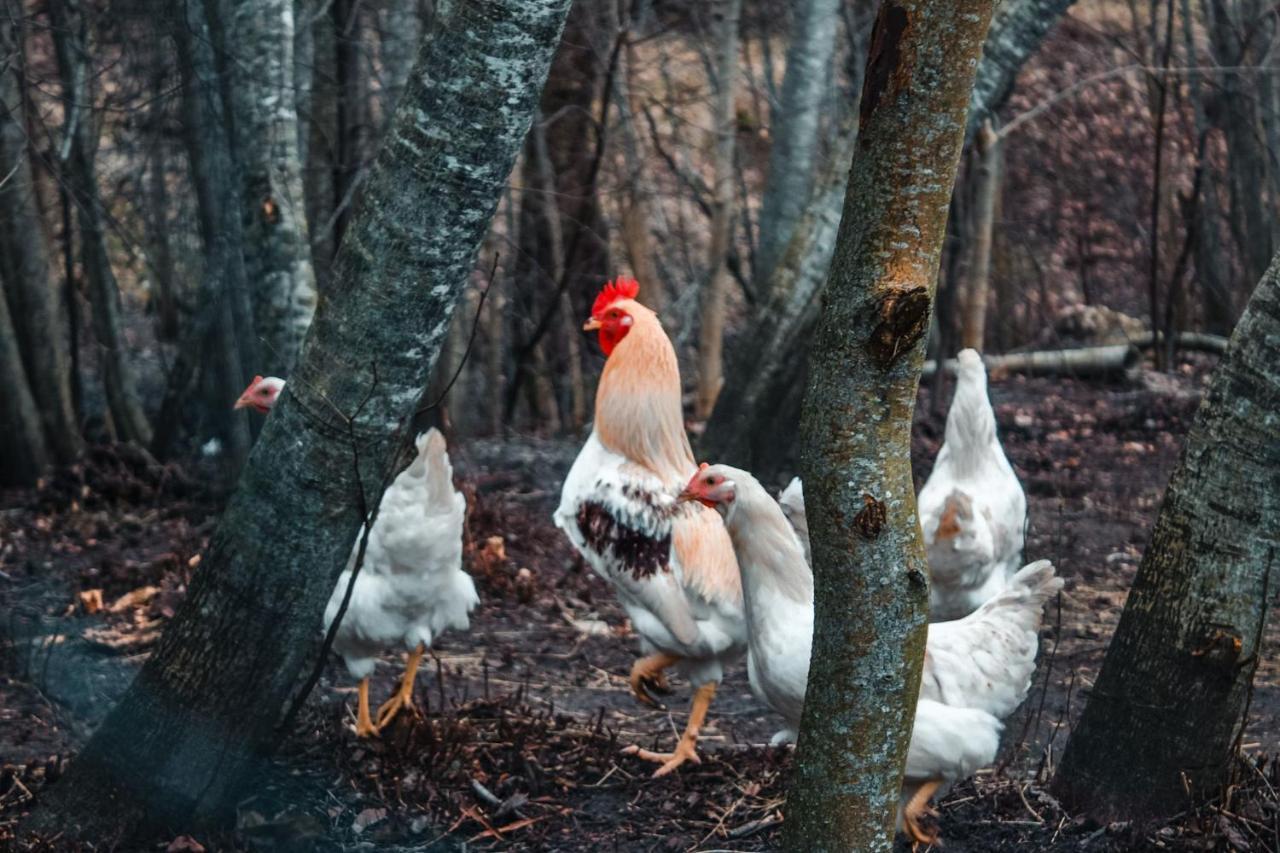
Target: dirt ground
523,717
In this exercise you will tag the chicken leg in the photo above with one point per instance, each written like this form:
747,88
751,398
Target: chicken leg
686,749
917,807
364,725
403,697
648,671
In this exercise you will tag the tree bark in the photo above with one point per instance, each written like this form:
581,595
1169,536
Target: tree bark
277,248
973,329
220,346
1017,30
1183,657
871,585
794,127
203,714
34,307
23,454
711,304
71,41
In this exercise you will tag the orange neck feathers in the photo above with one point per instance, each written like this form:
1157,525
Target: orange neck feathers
638,410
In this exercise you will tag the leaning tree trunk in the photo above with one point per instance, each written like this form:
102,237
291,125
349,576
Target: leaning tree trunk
71,41
24,264
871,586
23,454
205,711
1184,654
711,304
277,249
794,125
759,402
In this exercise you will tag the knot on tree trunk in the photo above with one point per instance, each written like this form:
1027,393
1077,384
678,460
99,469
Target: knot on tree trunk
904,318
870,520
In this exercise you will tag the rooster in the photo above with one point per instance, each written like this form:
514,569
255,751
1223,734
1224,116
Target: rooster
977,670
672,565
411,585
972,509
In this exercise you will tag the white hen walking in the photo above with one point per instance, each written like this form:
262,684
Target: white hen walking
976,670
972,509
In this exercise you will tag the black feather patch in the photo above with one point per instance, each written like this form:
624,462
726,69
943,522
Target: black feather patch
641,553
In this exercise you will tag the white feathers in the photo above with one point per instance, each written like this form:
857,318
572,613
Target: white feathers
623,519
972,508
411,586
792,502
977,670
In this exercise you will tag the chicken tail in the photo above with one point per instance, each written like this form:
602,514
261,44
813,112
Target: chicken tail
1023,599
970,422
433,464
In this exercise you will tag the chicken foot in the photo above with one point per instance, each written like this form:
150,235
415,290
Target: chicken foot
916,808
364,725
686,749
403,697
647,674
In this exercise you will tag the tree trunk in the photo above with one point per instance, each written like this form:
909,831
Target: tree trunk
759,403
221,337
711,305
204,713
71,41
973,330
352,113
794,127
24,265
1017,30
23,454
871,585
400,38
1182,660
277,249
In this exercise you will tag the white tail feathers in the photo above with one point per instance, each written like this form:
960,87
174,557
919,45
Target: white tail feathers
1027,592
433,462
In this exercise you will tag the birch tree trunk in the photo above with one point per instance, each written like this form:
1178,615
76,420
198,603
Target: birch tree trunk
711,308
277,249
71,41
204,713
1184,654
794,127
1017,30
871,585
35,313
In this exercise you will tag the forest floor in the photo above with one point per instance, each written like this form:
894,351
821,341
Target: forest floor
517,746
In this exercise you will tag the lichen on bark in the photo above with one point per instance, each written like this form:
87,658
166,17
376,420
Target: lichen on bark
871,592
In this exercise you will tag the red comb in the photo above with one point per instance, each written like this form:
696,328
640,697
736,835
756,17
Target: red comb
614,291
256,379
703,465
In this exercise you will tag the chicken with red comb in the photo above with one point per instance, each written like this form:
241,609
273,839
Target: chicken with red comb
671,564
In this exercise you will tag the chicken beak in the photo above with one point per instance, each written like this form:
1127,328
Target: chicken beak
243,403
591,325
688,496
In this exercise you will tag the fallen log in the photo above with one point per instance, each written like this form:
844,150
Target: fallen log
1087,362
1199,341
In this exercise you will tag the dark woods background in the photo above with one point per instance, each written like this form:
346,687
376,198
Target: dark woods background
176,176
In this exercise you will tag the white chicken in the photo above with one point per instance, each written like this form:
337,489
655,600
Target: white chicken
411,585
972,509
977,670
672,565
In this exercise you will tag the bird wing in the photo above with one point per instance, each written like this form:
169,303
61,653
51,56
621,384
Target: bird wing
986,660
950,743
621,519
792,502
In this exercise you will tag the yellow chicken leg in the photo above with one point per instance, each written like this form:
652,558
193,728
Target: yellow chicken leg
917,807
403,697
364,725
648,670
686,749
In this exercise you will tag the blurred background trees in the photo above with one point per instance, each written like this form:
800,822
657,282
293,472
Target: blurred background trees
174,181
